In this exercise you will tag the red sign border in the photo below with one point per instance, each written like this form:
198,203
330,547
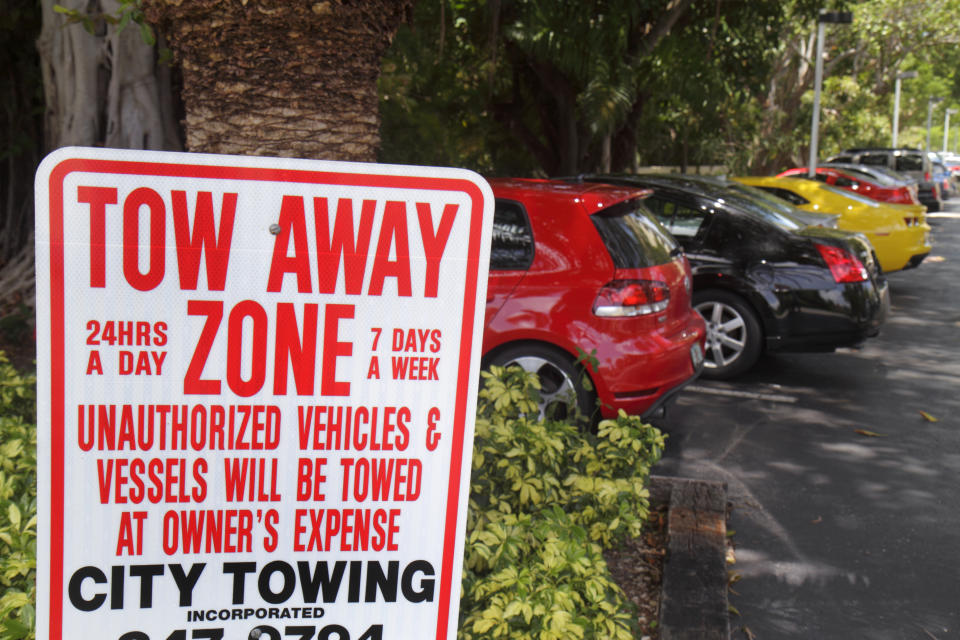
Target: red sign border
58,175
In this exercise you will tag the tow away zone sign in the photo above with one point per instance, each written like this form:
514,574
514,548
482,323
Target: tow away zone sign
256,390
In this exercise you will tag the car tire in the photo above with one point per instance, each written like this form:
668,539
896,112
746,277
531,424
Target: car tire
734,337
562,381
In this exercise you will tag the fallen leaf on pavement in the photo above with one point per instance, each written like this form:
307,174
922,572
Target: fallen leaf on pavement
732,609
870,434
732,579
750,634
928,417
817,521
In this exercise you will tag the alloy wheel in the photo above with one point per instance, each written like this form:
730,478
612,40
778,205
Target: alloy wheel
557,390
726,333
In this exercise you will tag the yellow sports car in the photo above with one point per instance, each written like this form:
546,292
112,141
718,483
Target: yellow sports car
899,232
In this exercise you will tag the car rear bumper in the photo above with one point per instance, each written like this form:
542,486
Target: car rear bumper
656,368
916,260
929,194
902,249
670,395
855,313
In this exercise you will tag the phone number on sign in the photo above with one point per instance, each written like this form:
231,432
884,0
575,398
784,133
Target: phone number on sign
266,632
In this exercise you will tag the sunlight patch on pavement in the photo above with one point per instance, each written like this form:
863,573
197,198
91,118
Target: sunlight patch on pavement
752,564
734,393
850,449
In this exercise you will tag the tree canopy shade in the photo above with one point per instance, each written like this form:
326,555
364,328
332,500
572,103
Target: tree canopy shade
862,60
21,122
526,87
574,85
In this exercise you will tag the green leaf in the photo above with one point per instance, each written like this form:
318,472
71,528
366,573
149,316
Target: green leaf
147,34
13,513
124,21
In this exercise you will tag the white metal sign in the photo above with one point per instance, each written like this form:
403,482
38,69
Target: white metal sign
256,381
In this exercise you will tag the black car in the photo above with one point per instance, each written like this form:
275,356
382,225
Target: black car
763,281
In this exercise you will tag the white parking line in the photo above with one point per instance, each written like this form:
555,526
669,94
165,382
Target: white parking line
733,393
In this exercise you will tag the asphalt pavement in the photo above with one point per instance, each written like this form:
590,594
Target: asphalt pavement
845,508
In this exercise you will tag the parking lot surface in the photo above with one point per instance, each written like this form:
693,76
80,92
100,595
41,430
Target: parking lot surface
843,471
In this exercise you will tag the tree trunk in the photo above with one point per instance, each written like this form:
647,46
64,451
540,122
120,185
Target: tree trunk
101,89
280,77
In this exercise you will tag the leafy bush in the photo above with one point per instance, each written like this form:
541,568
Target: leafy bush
545,498
18,502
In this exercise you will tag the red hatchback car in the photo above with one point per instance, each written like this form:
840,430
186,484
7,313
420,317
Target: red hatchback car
847,179
578,268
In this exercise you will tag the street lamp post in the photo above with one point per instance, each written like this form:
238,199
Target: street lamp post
825,18
903,75
946,127
930,102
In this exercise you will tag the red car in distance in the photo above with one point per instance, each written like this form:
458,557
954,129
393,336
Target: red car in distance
586,269
858,183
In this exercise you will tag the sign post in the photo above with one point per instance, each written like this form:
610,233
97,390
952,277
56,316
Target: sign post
256,384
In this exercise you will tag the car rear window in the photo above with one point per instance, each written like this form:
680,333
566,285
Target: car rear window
909,163
633,236
512,245
878,159
877,177
793,198
852,195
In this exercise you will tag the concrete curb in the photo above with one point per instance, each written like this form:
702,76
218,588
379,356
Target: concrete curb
694,602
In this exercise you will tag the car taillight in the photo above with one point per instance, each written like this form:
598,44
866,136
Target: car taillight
622,298
926,176
844,266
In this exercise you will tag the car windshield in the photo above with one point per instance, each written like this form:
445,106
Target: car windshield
761,209
852,195
877,177
633,236
766,199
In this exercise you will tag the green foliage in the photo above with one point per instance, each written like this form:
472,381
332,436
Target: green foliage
886,37
128,11
18,503
849,117
527,88
545,498
436,93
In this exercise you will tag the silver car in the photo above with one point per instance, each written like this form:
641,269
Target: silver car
910,162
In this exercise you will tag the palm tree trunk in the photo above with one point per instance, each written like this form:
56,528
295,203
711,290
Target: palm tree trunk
280,77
